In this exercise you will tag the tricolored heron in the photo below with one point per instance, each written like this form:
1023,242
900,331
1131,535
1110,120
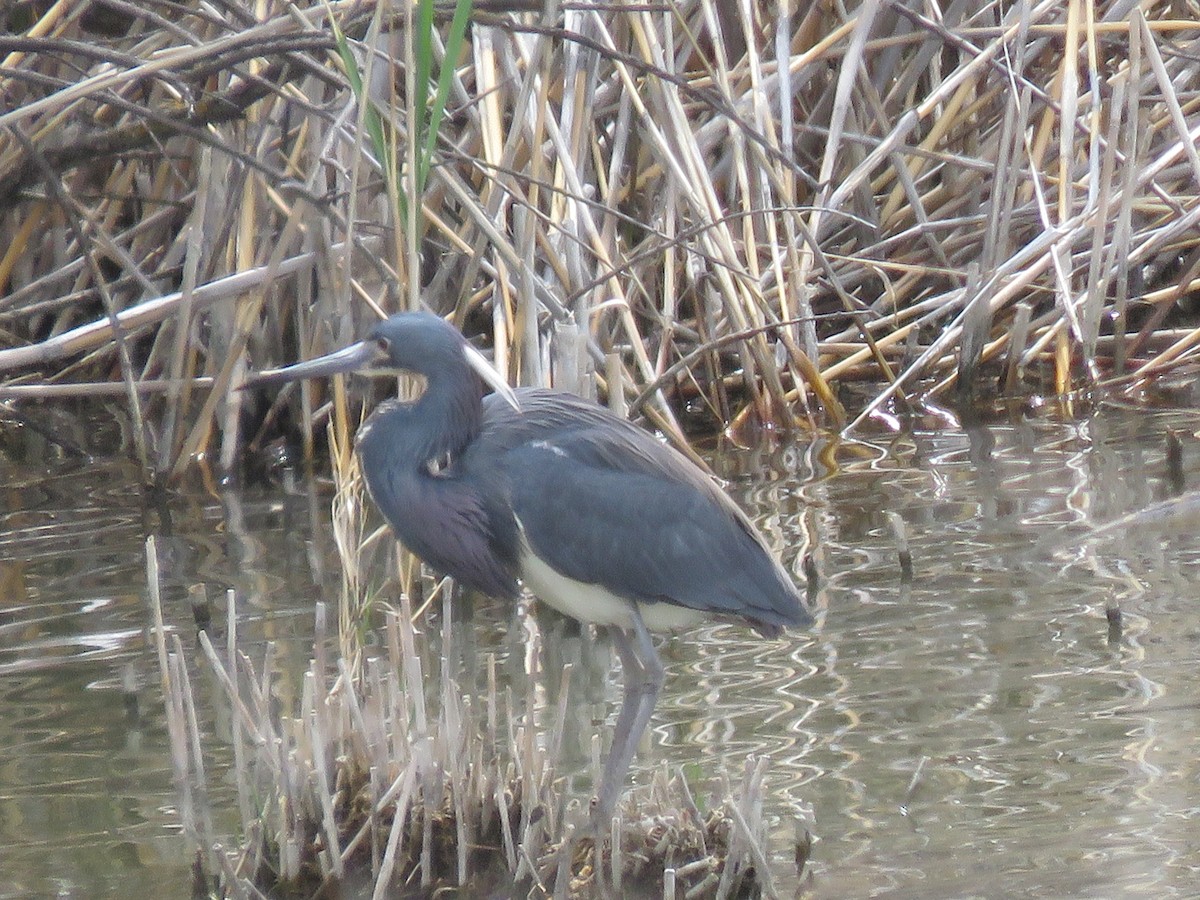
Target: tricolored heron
594,515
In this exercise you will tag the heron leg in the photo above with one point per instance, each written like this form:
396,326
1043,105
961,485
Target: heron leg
651,665
643,675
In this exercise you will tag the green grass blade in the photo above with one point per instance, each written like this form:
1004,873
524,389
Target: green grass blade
423,57
371,119
437,112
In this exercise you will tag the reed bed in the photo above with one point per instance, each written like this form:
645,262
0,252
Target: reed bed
730,209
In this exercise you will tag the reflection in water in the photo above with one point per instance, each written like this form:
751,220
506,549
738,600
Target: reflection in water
975,732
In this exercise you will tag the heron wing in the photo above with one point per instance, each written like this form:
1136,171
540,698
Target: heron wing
603,502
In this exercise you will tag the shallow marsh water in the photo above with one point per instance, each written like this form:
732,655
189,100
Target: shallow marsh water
979,732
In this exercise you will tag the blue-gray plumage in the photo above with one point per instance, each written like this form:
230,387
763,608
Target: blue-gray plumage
603,502
596,517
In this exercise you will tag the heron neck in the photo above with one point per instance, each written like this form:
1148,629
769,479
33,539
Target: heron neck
455,407
436,427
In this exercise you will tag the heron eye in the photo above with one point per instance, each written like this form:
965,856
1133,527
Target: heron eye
383,344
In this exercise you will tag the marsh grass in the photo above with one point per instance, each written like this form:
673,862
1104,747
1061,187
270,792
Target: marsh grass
947,207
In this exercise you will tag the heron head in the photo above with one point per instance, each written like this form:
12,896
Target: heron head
413,342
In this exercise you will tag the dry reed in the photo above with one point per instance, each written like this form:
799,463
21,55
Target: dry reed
728,207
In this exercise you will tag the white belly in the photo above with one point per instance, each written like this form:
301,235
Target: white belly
595,604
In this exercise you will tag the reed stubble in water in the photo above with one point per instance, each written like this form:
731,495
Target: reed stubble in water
380,780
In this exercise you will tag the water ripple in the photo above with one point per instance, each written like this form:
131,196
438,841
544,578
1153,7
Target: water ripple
978,732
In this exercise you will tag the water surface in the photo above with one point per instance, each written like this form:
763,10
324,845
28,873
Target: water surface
981,731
